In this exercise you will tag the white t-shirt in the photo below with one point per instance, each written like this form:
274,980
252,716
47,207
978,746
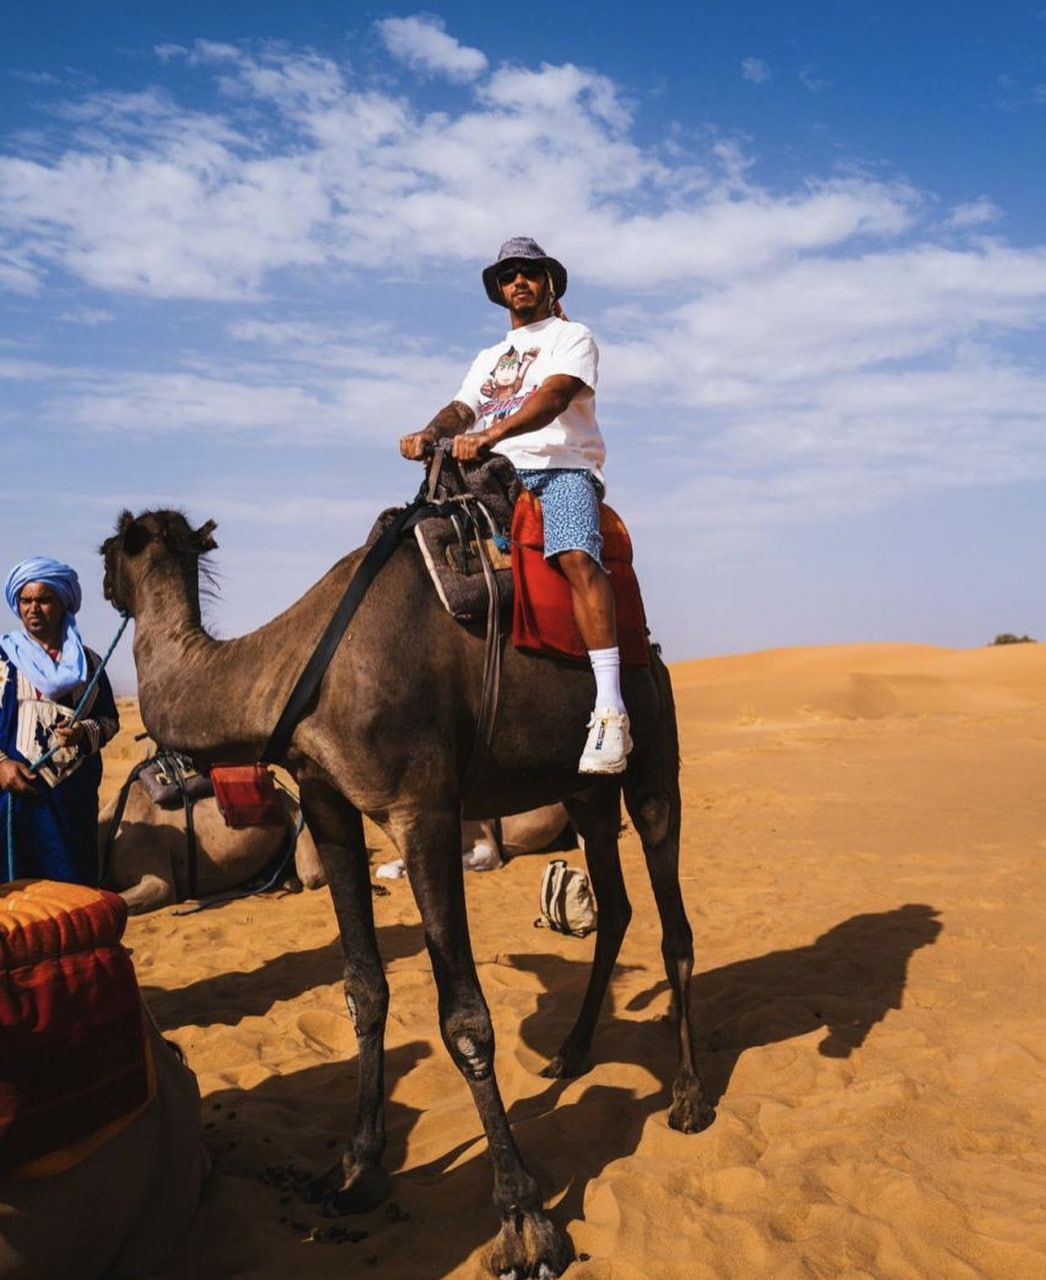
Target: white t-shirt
502,377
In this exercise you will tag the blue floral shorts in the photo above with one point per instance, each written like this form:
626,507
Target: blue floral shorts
570,509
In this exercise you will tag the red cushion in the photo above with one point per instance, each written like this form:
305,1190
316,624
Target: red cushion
543,612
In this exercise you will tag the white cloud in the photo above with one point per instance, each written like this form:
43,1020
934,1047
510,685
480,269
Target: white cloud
756,70
90,317
169,51
151,199
811,80
787,350
975,213
423,43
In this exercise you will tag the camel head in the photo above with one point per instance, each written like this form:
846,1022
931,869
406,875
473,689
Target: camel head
156,542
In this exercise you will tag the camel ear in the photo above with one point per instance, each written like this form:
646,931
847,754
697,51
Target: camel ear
203,536
132,534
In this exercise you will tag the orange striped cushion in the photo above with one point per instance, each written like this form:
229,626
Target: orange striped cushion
73,1057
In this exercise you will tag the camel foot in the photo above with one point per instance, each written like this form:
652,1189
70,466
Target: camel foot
530,1245
567,1066
690,1112
341,1193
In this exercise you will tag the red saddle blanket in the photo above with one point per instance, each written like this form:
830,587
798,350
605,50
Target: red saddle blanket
73,1055
542,611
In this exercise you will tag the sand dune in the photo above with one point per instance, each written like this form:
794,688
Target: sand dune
864,833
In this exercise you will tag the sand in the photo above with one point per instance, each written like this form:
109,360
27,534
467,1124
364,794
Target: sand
863,841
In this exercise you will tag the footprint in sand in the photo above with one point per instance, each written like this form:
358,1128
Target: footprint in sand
330,1034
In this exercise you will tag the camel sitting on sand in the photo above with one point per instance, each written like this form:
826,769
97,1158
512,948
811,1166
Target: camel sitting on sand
123,1210
488,843
101,1164
390,733
514,835
147,862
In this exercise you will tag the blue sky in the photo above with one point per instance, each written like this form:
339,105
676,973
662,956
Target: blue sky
240,248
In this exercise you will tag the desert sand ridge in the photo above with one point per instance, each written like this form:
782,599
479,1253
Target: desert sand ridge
863,845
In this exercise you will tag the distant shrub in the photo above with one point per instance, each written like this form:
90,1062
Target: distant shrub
1008,637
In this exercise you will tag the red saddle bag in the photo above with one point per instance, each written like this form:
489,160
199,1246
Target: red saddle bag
247,796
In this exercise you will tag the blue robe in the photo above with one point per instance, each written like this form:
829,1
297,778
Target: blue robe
53,834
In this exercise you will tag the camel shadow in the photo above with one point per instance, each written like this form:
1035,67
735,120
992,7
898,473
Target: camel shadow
273,1138
269,1142
230,997
844,982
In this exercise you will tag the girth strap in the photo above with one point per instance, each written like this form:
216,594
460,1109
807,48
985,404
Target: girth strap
114,826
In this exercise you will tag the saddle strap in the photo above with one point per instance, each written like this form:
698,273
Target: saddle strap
309,681
371,565
491,688
190,834
114,826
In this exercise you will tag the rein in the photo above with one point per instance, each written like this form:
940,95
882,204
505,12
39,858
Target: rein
90,687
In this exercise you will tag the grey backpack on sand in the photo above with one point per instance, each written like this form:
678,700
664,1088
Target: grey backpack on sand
567,904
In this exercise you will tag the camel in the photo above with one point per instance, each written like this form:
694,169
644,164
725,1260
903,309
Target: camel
148,861
487,843
390,734
101,1165
516,834
120,1212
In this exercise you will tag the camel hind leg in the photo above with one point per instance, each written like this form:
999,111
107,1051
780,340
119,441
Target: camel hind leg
651,791
597,816
359,1182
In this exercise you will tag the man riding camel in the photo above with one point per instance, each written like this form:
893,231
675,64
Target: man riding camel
547,428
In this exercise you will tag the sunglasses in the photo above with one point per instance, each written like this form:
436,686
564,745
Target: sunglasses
507,274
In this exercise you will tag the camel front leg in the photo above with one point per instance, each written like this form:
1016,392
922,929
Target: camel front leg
359,1182
529,1243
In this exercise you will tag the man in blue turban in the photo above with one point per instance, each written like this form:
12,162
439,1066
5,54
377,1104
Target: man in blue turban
49,815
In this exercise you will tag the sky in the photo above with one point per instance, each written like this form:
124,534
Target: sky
240,250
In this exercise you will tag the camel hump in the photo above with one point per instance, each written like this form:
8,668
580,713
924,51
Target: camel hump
74,1062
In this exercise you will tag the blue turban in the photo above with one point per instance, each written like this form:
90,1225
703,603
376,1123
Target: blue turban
35,663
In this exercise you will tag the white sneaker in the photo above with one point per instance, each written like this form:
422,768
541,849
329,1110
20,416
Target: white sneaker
608,742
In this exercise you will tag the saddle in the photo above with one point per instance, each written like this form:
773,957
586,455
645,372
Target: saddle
485,556
171,778
466,546
543,612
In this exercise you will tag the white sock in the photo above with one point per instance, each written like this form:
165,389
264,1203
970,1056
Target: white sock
606,666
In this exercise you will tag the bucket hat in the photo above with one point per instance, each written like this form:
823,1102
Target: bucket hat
523,249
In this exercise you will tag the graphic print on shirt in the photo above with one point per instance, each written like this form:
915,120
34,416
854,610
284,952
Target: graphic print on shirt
504,383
